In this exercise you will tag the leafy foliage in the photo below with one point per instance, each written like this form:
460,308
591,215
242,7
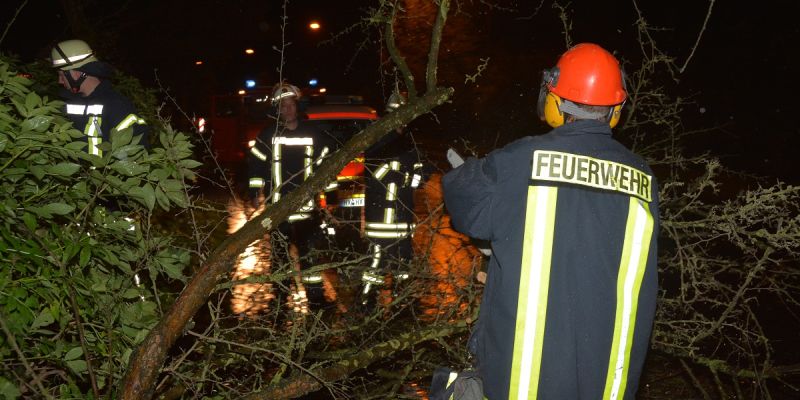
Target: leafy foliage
80,260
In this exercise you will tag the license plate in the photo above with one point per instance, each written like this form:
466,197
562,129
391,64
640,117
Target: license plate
354,202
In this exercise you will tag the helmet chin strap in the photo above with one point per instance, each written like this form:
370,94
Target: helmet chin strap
74,84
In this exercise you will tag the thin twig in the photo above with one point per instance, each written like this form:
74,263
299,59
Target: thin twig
13,342
8,25
700,35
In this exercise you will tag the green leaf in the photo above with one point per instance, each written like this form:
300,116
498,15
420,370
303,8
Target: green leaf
86,254
45,318
189,164
73,353
58,208
145,195
121,138
158,174
162,199
129,168
8,390
77,366
30,221
64,169
38,171
39,123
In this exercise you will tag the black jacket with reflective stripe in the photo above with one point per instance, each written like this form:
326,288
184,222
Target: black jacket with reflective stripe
115,109
261,160
586,275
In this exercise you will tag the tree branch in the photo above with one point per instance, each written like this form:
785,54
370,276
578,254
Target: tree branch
436,39
147,360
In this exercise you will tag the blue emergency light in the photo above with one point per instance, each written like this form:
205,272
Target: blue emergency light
312,82
250,83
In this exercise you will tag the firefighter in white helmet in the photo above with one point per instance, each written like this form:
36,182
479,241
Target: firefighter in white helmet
394,171
283,157
92,104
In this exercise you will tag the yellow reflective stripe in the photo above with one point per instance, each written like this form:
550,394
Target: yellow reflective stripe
258,154
534,284
93,135
391,191
376,255
128,121
388,215
256,183
635,250
381,172
450,379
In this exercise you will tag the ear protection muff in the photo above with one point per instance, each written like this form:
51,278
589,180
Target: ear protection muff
616,111
548,105
552,110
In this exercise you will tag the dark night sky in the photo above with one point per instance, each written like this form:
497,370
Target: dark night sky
743,76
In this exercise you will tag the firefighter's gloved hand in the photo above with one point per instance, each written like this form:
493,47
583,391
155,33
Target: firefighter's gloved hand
454,158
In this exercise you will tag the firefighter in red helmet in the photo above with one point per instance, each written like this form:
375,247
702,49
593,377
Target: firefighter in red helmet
572,218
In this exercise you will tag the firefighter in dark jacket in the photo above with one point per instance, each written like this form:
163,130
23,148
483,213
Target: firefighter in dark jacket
394,171
572,217
92,104
282,158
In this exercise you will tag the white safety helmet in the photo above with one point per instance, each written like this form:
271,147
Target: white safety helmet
71,54
396,99
283,91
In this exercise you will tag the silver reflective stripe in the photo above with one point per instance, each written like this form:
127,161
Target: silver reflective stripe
307,161
298,217
82,109
293,141
277,172
94,109
386,235
257,183
331,186
70,60
372,278
391,191
316,278
395,165
258,154
415,181
76,109
322,154
397,226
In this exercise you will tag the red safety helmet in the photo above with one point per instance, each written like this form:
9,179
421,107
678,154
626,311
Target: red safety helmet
585,74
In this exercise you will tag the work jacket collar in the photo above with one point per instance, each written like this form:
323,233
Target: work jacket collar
584,126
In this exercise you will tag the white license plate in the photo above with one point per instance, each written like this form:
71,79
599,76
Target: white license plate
354,202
